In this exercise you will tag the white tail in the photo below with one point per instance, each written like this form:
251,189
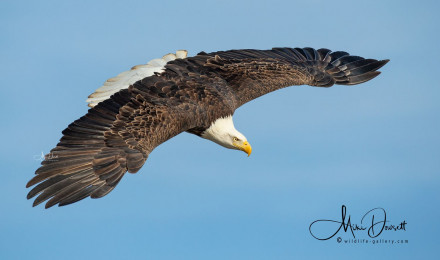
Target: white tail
127,78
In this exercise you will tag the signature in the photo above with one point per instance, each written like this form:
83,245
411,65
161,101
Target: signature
374,222
48,157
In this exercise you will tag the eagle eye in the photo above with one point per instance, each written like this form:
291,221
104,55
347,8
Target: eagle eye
236,139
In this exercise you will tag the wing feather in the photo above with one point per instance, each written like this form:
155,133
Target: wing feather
253,73
114,137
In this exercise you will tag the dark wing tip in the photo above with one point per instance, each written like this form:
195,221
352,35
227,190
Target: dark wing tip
348,71
36,179
384,62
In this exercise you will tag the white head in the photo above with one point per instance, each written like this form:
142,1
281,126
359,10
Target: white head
223,132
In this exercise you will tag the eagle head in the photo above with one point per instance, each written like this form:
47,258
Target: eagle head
223,132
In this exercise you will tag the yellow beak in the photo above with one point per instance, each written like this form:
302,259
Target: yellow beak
247,148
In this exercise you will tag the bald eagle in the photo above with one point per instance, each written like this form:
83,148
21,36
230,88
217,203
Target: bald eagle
136,111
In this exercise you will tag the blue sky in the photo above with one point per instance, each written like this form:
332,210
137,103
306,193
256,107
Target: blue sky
314,149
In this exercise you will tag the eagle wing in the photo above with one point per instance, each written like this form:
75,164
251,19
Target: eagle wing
253,73
114,137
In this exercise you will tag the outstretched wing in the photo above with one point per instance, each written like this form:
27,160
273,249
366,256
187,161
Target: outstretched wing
127,78
114,137
253,73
